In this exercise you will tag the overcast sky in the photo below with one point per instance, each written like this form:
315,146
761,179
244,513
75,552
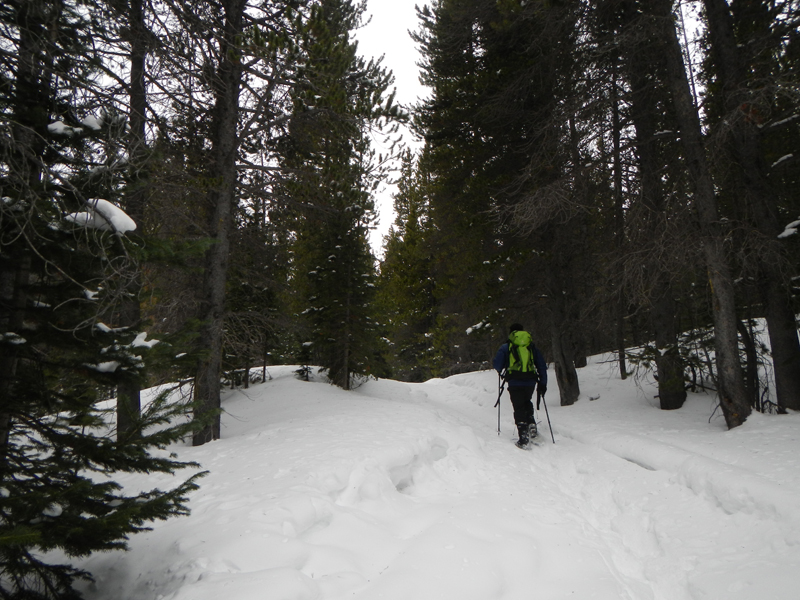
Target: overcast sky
387,35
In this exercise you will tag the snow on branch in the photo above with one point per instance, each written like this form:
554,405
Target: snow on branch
141,341
104,216
61,128
480,325
791,229
781,160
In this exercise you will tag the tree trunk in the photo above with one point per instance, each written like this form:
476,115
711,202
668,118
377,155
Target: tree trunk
578,343
746,138
348,338
619,224
560,338
566,374
14,276
733,398
783,343
644,109
619,333
221,200
751,366
32,95
129,392
669,365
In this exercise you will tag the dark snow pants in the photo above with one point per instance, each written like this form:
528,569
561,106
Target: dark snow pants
522,403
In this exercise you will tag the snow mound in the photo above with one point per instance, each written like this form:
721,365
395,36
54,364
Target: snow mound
731,488
399,491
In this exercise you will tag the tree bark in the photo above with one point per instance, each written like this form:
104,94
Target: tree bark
14,276
560,334
221,201
663,316
31,94
745,136
732,394
669,364
129,392
619,224
566,375
751,365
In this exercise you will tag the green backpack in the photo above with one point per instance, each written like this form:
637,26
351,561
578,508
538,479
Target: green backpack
520,356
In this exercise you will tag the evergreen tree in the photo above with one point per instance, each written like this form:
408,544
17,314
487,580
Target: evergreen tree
405,285
332,173
551,162
228,24
468,160
502,131
226,72
64,263
126,26
658,222
257,310
733,399
746,44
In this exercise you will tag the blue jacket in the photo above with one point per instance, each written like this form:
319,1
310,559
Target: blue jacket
500,363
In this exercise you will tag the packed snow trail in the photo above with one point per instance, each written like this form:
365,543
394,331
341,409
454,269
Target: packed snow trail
400,491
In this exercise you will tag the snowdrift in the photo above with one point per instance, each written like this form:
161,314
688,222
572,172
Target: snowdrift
401,491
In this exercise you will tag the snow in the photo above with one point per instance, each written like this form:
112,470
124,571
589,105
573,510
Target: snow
93,123
61,128
473,328
105,328
783,121
790,229
54,510
402,491
104,216
12,338
108,366
141,341
782,159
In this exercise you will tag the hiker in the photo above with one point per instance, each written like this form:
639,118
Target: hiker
522,366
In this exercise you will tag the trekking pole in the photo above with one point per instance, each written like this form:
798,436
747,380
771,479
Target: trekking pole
497,404
541,397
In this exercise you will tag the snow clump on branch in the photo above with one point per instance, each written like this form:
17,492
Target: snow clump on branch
104,216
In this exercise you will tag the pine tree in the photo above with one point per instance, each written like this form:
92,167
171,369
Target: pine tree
64,263
502,130
126,26
257,310
657,217
406,286
745,47
468,161
733,398
229,68
337,98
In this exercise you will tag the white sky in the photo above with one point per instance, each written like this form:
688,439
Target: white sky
387,35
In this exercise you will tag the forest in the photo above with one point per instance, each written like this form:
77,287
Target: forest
187,190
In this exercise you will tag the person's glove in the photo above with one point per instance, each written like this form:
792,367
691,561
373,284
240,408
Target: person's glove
542,389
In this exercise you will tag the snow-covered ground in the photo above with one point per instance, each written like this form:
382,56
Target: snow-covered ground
403,491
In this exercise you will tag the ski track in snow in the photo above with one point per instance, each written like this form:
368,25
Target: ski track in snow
406,491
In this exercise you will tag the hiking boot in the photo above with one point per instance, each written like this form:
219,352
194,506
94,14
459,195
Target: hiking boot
532,431
524,436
